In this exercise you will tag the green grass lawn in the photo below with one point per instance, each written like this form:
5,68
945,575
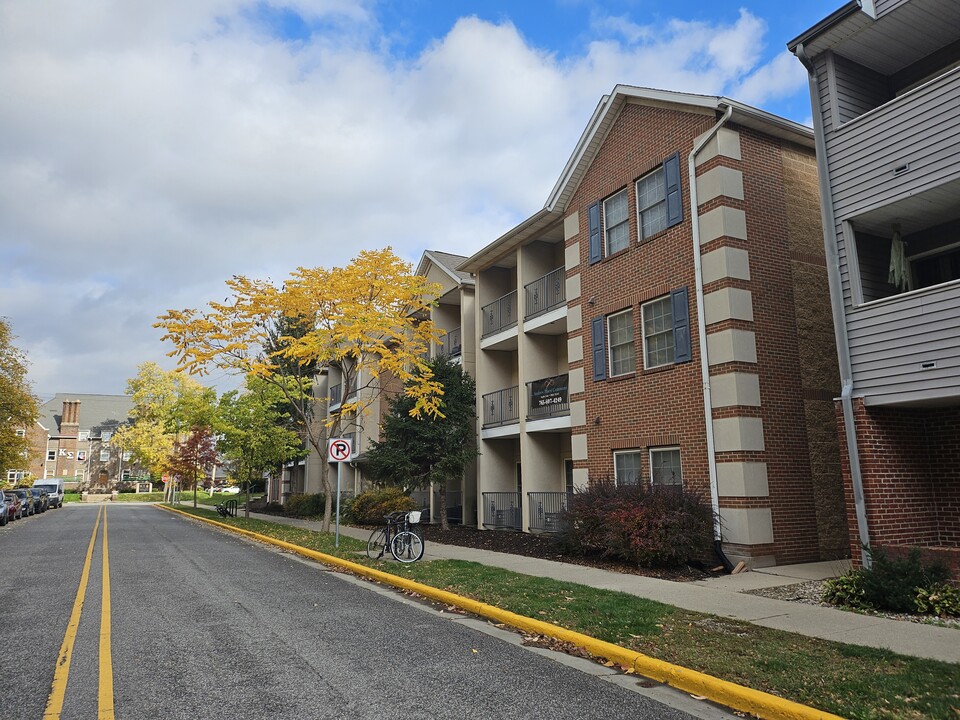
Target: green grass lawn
850,681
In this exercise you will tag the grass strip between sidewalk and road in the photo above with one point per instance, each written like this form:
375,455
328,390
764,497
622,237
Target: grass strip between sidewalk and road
846,680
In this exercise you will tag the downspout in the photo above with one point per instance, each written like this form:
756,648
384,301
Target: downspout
702,335
839,319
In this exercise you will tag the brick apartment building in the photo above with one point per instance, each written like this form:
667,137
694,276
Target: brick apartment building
885,90
71,440
662,320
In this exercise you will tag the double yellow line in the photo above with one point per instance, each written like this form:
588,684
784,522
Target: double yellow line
62,671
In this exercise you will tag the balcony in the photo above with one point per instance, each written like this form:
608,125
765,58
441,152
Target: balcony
898,150
450,344
546,510
499,315
545,293
548,397
501,407
502,511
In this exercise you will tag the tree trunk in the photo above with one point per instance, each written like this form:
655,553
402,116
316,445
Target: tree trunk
444,525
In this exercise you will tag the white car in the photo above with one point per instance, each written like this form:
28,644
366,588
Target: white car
230,490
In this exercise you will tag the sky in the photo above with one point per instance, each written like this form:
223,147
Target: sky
151,150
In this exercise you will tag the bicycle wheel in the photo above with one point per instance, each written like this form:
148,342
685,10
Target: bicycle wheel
377,544
407,547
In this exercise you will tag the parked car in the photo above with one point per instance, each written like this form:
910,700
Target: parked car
53,488
26,499
14,506
40,499
230,490
4,512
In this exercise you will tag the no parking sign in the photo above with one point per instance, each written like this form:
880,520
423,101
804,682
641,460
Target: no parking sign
339,449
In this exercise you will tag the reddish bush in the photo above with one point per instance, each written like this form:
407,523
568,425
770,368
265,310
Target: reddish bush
649,526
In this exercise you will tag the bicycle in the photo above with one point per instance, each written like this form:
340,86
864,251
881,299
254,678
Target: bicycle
401,536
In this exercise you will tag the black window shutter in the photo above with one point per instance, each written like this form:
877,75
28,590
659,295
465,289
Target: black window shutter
599,344
681,326
593,219
671,172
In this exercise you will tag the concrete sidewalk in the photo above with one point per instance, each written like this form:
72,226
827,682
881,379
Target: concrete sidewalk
723,596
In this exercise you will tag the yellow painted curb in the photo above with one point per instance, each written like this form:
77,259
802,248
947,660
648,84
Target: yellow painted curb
728,694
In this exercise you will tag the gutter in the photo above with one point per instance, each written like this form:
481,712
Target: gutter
702,332
839,318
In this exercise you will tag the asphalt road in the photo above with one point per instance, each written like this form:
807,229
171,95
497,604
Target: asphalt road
203,624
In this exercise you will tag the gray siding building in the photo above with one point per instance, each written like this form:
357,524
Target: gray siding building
885,90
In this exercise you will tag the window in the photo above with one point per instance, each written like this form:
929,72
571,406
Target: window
81,455
665,467
104,456
616,228
12,476
105,436
658,342
84,435
21,433
51,455
627,468
125,475
652,203
78,473
126,456
620,336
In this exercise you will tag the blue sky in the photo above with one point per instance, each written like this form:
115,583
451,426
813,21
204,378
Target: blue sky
149,151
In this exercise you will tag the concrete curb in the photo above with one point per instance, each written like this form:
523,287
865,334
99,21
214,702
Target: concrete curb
728,694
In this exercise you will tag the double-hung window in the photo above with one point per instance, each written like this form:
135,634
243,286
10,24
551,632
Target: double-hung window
616,226
665,467
658,341
652,203
620,339
51,455
627,467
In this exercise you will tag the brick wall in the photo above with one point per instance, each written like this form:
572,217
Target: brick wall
796,356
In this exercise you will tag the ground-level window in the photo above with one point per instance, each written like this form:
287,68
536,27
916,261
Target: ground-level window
627,467
620,339
12,476
125,475
665,467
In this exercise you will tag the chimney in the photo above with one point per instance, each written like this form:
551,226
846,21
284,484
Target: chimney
70,419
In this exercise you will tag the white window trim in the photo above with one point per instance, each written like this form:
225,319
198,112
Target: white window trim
668,448
640,210
54,453
643,324
609,348
634,451
603,223
20,433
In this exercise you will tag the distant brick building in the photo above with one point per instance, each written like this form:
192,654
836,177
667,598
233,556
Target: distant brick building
71,440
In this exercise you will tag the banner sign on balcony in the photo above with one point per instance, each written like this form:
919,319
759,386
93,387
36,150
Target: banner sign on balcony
549,392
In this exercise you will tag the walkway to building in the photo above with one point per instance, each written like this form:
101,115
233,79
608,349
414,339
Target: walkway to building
722,596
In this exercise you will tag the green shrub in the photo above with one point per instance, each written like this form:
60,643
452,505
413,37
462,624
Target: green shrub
300,505
370,507
942,600
846,591
891,584
638,524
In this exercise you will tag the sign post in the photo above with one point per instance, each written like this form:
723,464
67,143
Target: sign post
339,451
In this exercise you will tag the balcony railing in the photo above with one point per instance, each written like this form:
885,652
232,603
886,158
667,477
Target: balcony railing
546,293
335,394
454,504
450,344
500,314
548,397
547,509
502,511
501,407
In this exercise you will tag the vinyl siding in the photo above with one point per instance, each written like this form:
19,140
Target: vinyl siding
889,341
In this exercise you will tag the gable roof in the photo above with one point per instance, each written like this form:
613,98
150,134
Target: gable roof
98,413
593,137
448,263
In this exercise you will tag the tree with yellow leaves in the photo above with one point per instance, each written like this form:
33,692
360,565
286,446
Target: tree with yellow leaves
365,319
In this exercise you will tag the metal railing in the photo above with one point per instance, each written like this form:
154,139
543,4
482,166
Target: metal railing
500,314
450,344
335,394
501,407
547,509
454,504
502,511
545,293
548,397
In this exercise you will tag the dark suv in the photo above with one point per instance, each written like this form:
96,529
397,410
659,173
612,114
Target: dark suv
40,499
26,497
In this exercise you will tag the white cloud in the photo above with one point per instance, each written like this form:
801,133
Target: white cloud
149,151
